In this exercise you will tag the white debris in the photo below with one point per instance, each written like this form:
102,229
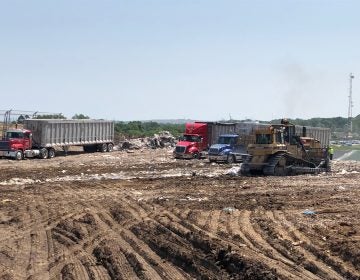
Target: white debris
229,210
234,171
161,140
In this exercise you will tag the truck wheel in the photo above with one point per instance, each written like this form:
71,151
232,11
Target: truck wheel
110,147
196,155
19,155
103,148
230,159
43,153
51,153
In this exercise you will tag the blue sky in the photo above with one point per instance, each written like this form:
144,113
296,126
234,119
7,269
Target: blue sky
167,59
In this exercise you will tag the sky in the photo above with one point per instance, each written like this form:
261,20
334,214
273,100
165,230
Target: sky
174,59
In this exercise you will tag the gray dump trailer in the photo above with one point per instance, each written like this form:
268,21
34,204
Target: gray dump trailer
40,137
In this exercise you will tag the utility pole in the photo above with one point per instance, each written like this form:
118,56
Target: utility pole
350,106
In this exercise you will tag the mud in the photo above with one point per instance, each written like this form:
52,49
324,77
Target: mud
144,215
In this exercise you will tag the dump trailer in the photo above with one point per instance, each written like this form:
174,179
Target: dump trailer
279,149
41,137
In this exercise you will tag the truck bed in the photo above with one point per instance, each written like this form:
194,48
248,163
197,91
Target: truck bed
50,132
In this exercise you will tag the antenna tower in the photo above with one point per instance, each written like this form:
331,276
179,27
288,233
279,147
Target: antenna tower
351,105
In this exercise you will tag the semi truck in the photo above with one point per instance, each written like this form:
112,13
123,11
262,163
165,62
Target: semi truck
198,137
229,148
39,138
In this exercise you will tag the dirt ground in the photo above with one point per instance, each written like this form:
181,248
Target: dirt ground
144,215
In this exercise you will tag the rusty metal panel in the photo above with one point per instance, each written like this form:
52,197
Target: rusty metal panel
248,128
218,128
51,132
320,133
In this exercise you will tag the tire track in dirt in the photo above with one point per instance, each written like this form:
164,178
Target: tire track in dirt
211,224
279,250
314,251
73,244
279,239
121,244
272,258
167,221
139,213
204,241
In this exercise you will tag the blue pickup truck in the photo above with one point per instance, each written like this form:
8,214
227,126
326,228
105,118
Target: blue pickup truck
227,149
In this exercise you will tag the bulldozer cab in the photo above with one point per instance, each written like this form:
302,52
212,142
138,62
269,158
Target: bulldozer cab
273,135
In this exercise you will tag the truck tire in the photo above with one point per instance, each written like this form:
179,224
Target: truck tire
110,147
43,153
230,159
19,155
196,155
103,148
51,153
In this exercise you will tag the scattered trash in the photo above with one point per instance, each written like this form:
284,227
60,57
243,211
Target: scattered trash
233,171
229,210
309,212
6,200
161,140
189,198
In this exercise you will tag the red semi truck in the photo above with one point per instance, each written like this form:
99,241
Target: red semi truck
199,136
193,142
40,138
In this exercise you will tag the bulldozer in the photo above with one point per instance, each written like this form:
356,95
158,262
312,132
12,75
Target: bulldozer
279,151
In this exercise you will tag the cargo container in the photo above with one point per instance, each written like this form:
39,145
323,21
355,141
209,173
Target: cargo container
40,137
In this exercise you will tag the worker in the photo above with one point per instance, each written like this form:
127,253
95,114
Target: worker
330,152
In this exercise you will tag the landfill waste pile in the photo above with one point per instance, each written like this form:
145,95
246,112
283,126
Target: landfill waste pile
162,140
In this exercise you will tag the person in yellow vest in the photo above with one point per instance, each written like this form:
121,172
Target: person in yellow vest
330,152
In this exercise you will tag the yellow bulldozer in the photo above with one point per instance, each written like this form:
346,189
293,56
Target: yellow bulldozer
279,151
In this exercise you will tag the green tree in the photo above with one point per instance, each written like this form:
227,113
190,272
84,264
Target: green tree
80,117
135,129
50,116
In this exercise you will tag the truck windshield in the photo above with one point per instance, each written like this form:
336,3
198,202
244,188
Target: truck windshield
191,138
14,134
227,140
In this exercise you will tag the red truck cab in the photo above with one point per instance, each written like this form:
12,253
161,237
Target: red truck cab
193,142
15,143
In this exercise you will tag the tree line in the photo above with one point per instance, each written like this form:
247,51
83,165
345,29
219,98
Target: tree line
134,129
